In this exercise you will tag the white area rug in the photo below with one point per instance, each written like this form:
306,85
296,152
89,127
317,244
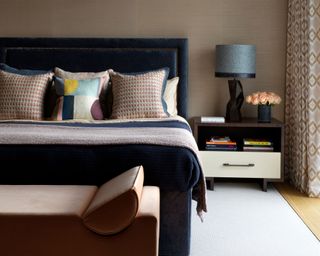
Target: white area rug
245,221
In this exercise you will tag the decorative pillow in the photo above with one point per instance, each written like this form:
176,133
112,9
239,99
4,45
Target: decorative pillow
79,75
50,97
78,99
22,97
116,203
25,72
89,75
170,96
139,95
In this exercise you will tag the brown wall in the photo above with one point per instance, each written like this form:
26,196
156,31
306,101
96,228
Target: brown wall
205,22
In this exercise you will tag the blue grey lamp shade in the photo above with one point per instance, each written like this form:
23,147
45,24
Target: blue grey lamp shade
235,61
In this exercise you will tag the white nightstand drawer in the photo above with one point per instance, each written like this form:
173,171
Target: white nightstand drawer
241,164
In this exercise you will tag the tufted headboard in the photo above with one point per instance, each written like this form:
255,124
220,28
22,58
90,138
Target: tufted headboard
97,54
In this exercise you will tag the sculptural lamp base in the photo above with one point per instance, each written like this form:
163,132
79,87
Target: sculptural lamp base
233,113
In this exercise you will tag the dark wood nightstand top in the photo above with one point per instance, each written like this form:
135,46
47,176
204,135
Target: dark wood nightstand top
246,122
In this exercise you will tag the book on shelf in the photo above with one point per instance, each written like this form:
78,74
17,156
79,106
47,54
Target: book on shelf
257,145
212,119
222,149
258,149
257,142
219,139
220,143
221,146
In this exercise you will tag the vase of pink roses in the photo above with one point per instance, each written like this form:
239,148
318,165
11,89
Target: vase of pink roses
264,101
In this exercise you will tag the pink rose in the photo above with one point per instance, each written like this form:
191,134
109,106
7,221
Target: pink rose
273,100
277,100
255,100
249,99
255,94
263,98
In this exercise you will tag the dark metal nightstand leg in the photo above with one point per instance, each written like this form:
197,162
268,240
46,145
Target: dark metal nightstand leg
210,183
264,185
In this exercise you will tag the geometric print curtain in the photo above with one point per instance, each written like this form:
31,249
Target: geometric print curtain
302,108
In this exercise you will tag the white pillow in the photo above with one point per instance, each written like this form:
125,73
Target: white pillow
170,96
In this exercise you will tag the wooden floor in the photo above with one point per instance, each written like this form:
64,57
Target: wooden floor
307,208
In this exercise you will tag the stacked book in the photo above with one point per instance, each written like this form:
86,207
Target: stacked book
212,119
257,145
221,144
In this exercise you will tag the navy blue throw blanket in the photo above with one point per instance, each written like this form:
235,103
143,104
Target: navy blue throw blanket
170,168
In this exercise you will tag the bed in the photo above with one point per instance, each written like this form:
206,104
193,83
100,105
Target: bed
48,152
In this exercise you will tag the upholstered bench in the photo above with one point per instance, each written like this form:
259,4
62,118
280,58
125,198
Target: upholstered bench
119,218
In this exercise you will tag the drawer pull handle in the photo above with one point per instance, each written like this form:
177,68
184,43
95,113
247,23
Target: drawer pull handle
238,165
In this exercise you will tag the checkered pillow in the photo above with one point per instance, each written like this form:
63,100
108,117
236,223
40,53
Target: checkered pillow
22,97
139,96
78,99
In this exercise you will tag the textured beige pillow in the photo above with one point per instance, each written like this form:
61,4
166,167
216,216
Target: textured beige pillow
138,95
170,96
22,97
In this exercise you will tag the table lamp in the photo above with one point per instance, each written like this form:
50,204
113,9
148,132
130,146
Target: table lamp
236,61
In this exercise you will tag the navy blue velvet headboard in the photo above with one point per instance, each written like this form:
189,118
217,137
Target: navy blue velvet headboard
96,54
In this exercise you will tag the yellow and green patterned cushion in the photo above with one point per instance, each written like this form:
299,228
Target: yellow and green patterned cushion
78,99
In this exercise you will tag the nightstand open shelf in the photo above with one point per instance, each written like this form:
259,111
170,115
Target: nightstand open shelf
267,166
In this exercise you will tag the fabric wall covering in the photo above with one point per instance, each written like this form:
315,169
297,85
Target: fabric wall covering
302,111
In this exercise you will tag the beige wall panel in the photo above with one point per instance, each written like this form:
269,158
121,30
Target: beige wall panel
205,22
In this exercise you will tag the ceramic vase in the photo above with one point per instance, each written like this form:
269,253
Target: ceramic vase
264,113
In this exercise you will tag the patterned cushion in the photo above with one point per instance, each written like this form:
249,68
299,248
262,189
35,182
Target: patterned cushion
170,96
105,92
139,95
22,97
78,99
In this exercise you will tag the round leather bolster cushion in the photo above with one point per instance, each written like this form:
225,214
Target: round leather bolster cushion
116,203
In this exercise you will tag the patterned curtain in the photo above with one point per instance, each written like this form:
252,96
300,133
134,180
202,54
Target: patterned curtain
302,110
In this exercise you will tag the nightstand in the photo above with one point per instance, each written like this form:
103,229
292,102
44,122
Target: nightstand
267,166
